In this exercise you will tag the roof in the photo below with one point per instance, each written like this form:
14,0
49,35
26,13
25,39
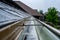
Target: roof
12,3
27,8
9,14
22,6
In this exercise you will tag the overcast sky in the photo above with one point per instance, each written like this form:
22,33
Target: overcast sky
42,4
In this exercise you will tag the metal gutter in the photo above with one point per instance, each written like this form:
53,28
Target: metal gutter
54,30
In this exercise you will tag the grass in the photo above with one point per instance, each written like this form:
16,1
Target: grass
57,26
51,24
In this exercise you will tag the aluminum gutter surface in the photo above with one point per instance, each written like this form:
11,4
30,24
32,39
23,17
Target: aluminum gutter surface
57,32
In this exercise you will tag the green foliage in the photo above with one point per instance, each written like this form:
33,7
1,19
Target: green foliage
51,15
56,26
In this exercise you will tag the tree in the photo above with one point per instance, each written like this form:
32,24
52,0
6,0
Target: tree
41,12
51,15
